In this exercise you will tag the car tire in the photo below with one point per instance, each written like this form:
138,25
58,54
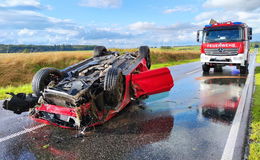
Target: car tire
144,52
243,69
114,86
218,69
99,51
43,77
112,78
205,68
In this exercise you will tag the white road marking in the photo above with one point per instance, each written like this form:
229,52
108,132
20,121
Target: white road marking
229,150
197,70
21,133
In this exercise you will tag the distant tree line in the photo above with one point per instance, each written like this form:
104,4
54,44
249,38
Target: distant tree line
166,47
42,48
254,44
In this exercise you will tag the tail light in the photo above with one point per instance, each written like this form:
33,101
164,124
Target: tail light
202,50
241,49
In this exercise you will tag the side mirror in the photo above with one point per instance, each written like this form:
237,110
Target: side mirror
199,35
250,32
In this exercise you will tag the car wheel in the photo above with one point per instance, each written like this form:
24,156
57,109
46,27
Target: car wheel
144,52
99,51
114,86
43,77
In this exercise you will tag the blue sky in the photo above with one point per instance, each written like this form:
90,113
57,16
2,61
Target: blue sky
118,23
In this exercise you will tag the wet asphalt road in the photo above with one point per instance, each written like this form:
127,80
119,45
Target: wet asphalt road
192,121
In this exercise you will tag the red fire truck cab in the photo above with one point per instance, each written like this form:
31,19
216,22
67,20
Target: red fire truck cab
223,44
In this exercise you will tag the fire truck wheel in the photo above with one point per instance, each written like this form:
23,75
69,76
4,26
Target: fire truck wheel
43,77
99,51
205,68
218,69
114,86
243,69
144,51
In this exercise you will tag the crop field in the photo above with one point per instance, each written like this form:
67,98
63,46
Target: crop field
172,55
17,69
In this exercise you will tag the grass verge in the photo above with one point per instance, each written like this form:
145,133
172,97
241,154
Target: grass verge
26,88
254,146
258,59
160,65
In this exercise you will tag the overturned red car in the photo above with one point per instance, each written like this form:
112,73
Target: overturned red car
91,92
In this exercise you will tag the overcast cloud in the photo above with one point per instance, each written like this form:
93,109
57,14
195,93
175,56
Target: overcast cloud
22,22
236,10
245,5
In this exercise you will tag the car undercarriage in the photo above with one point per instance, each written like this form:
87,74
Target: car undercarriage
91,92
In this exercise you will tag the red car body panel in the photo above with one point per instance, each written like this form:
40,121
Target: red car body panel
152,82
58,110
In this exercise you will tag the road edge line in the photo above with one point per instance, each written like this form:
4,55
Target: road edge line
236,138
27,130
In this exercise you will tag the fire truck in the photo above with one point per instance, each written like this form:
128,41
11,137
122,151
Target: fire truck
225,43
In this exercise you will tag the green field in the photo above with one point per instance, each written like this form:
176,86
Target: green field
26,88
254,45
160,65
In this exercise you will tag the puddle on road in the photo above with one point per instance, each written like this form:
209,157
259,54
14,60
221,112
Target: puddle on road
192,121
203,109
220,97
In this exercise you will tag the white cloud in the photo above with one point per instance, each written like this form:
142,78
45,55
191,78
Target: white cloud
23,4
250,18
26,31
21,23
14,3
178,9
101,3
147,26
140,26
175,34
62,31
246,5
25,25
220,16
247,11
121,36
19,19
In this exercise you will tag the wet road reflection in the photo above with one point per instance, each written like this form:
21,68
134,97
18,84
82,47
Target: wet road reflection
131,129
192,121
220,97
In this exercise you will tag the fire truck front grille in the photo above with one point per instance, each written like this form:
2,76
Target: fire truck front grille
221,51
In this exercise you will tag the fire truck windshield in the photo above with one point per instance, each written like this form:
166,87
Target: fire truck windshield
222,35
